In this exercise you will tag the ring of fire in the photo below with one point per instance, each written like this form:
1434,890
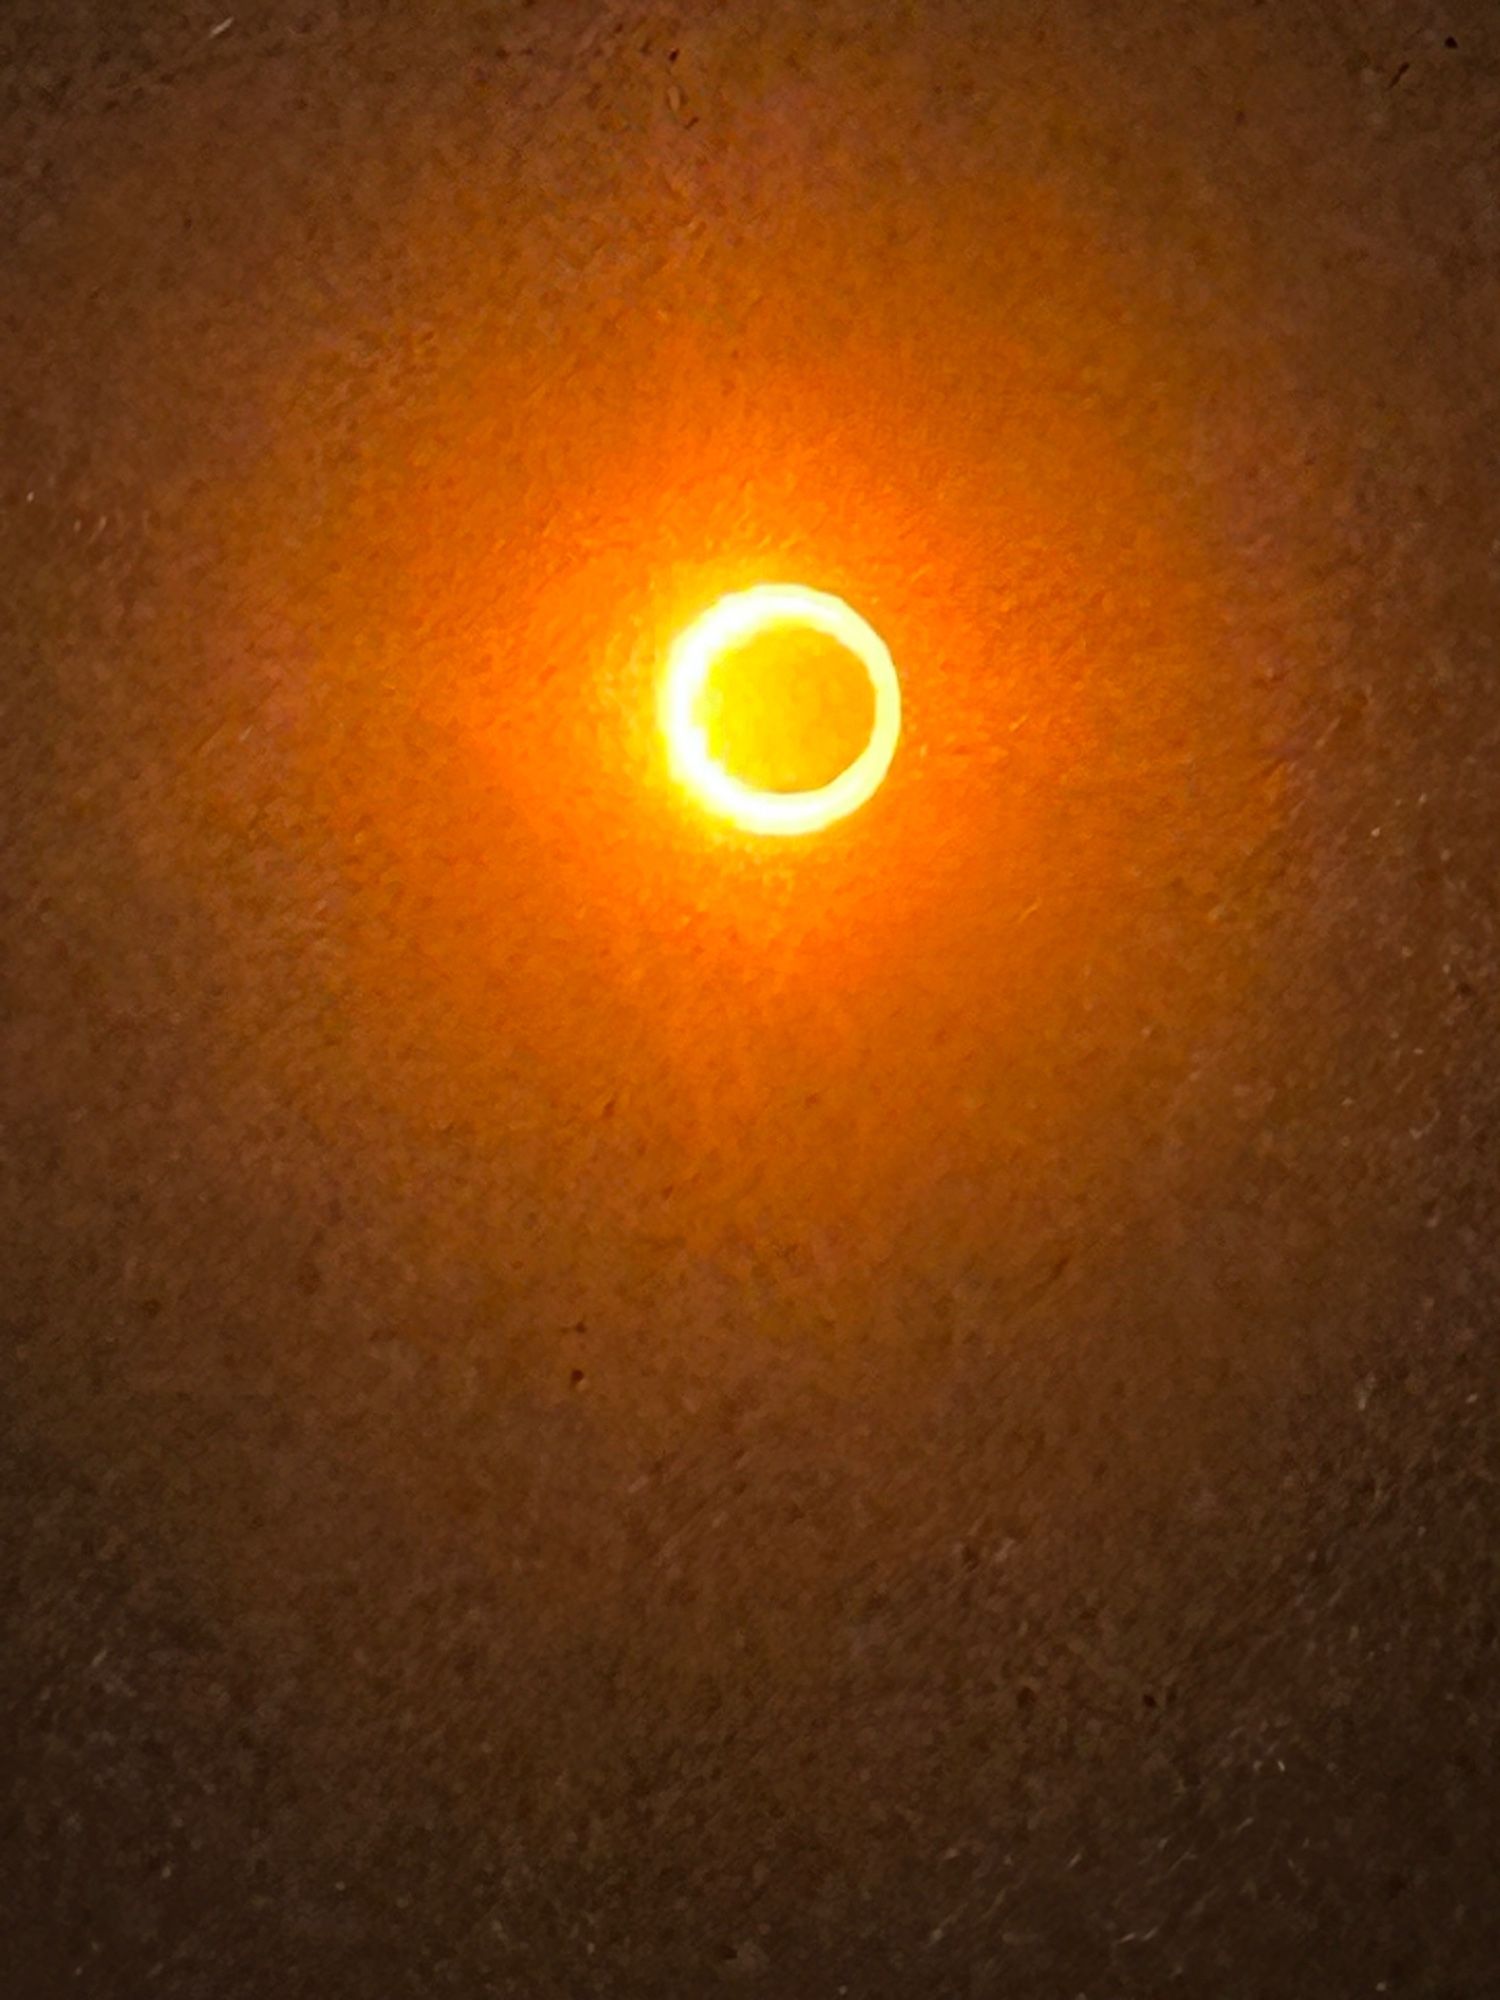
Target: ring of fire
734,621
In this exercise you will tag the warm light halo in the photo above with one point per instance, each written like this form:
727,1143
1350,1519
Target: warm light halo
742,616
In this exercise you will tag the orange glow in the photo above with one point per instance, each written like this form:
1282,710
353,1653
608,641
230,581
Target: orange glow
733,622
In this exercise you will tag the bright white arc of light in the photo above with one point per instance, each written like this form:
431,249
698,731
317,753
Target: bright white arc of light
733,621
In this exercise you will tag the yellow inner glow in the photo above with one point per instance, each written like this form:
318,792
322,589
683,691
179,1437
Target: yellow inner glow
788,710
688,722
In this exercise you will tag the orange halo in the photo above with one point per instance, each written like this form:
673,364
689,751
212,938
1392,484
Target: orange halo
733,621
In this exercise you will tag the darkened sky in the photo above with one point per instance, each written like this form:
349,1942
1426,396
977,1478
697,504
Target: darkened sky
595,1404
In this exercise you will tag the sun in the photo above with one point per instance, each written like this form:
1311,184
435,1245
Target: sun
733,622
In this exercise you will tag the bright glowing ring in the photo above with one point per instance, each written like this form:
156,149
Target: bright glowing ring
731,622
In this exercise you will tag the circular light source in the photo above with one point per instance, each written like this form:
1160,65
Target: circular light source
735,621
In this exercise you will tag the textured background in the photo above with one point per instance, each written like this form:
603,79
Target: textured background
590,1409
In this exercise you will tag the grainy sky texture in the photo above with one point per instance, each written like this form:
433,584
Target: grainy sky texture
594,1406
